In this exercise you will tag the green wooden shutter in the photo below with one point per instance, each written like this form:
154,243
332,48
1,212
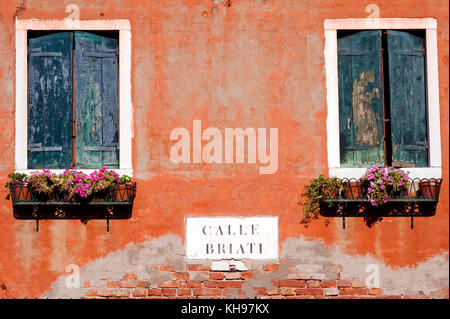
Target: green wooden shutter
96,98
408,99
361,131
50,100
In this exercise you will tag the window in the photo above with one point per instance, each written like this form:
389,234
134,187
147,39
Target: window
73,95
73,113
382,105
382,96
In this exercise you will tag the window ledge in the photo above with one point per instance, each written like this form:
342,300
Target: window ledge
414,172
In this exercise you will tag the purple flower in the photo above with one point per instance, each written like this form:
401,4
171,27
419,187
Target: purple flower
370,176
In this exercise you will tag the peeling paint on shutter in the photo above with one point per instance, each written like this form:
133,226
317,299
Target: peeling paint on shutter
96,98
50,100
408,99
360,99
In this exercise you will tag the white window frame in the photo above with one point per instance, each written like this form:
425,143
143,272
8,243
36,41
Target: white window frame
125,104
331,27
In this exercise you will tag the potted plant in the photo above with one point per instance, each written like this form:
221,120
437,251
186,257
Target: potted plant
352,188
379,184
18,187
124,189
429,188
320,188
72,186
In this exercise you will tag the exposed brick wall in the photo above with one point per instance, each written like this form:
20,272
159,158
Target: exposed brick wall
237,284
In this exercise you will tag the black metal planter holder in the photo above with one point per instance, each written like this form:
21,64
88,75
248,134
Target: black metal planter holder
115,204
421,201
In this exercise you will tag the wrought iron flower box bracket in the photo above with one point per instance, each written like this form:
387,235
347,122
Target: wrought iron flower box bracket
116,203
351,201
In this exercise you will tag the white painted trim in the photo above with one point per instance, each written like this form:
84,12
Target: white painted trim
21,155
331,70
125,103
414,172
380,23
69,24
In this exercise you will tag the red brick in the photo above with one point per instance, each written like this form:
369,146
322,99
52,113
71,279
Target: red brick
246,275
198,267
184,292
127,284
91,292
291,283
113,284
309,291
194,284
275,291
143,284
329,283
210,284
232,275
352,291
232,292
216,275
130,276
166,268
173,284
358,284
169,292
139,292
344,283
271,267
180,275
155,292
313,284
122,293
374,291
287,291
106,293
230,284
260,291
207,291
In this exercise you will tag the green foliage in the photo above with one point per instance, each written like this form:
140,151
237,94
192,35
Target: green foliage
16,177
71,185
315,191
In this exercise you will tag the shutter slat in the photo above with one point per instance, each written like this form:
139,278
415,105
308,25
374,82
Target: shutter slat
360,99
50,100
96,91
408,98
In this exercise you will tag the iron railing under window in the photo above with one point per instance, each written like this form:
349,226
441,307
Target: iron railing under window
29,204
351,199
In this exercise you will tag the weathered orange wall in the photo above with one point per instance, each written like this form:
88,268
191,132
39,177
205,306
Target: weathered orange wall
253,64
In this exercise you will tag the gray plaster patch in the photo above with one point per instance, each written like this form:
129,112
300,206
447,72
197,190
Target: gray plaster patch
298,255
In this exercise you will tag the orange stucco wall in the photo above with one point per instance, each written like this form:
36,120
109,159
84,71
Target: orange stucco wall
252,64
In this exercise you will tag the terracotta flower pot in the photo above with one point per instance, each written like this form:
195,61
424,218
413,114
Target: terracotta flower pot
428,189
20,191
123,192
352,189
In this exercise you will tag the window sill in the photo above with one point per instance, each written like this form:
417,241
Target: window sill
414,172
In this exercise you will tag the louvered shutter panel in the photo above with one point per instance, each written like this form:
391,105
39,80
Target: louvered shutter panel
408,99
50,100
361,130
96,98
